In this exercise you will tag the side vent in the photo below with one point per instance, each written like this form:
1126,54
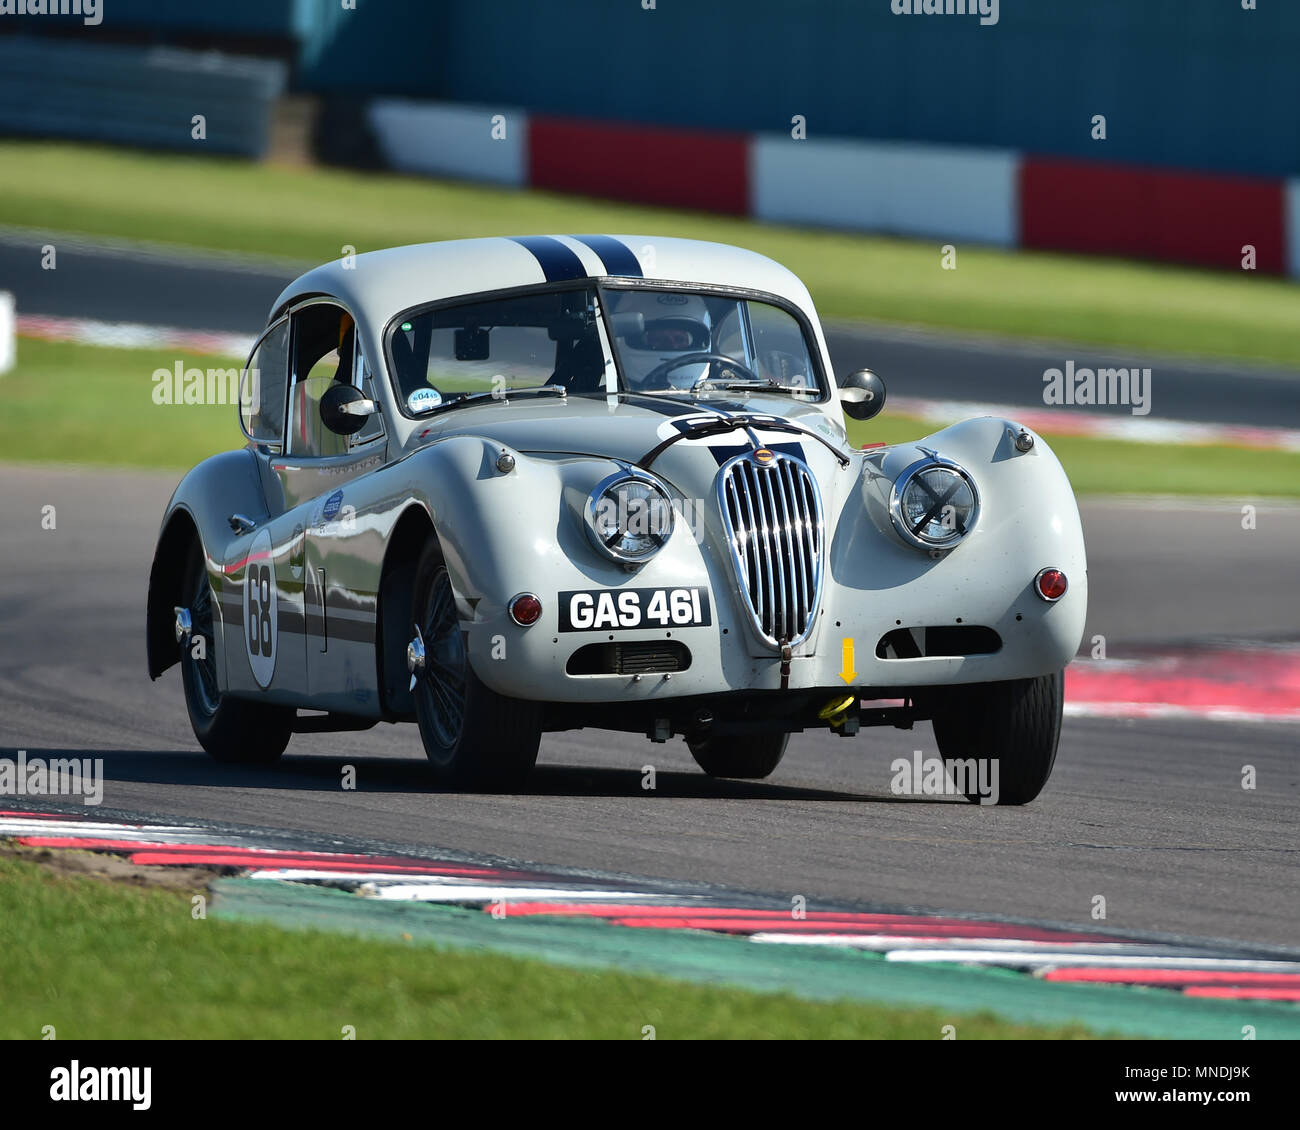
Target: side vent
943,640
642,657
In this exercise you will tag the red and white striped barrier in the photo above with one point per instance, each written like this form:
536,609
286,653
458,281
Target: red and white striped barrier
941,192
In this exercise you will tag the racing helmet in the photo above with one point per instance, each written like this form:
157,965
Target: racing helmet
653,327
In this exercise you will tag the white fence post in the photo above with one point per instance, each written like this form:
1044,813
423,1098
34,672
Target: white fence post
8,350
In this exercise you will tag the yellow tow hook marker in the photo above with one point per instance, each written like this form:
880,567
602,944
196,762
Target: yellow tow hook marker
835,710
847,673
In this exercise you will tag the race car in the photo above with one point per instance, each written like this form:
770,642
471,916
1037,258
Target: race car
506,486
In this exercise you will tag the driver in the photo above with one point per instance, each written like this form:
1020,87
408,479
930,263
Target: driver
653,328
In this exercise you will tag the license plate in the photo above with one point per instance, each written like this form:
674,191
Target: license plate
613,610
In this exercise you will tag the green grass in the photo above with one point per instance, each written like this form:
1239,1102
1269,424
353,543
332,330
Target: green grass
311,213
71,403
101,960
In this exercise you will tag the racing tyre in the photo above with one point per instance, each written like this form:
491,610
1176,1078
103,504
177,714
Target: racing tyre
748,758
232,730
1018,723
471,734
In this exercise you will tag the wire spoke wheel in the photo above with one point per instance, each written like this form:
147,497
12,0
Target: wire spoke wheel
472,734
201,669
442,684
233,727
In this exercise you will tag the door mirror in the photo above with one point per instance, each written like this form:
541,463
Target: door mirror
344,409
862,394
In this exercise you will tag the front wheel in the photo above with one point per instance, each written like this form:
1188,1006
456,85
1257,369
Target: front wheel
232,730
1015,724
471,734
744,758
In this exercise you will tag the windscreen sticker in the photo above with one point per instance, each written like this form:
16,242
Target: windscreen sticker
422,399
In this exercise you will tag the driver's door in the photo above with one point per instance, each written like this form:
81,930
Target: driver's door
262,577
318,475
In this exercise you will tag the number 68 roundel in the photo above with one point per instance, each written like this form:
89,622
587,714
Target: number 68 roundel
261,628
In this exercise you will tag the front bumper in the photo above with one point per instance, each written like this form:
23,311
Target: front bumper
1036,638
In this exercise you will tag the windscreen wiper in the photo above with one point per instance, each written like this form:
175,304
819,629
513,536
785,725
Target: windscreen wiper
763,386
478,397
722,424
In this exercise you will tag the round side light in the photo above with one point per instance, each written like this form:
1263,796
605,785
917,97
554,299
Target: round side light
1050,584
525,609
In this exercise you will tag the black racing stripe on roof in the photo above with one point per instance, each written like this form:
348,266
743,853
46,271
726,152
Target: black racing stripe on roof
619,259
558,262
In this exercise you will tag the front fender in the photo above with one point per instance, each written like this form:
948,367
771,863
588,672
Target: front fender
1028,520
523,531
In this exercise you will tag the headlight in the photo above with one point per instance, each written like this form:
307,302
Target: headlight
934,503
629,516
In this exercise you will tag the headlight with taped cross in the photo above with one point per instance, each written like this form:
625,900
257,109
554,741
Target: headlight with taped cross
934,503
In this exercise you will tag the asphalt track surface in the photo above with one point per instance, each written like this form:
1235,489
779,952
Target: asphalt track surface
218,292
1150,815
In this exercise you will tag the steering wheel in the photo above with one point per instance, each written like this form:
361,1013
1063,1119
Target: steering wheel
666,367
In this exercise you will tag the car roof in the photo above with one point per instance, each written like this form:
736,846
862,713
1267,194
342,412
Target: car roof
376,285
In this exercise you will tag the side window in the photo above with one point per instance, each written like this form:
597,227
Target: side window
262,388
491,347
324,351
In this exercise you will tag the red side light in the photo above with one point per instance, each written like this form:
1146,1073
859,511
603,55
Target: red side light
1051,584
525,609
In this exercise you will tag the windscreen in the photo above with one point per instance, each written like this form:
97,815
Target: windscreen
673,341
497,345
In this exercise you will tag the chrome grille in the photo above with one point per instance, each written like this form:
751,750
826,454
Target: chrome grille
773,518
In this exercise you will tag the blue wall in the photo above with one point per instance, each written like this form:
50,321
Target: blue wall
1194,83
1188,83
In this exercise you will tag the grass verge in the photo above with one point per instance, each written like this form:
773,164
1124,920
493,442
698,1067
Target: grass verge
104,960
311,213
72,403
